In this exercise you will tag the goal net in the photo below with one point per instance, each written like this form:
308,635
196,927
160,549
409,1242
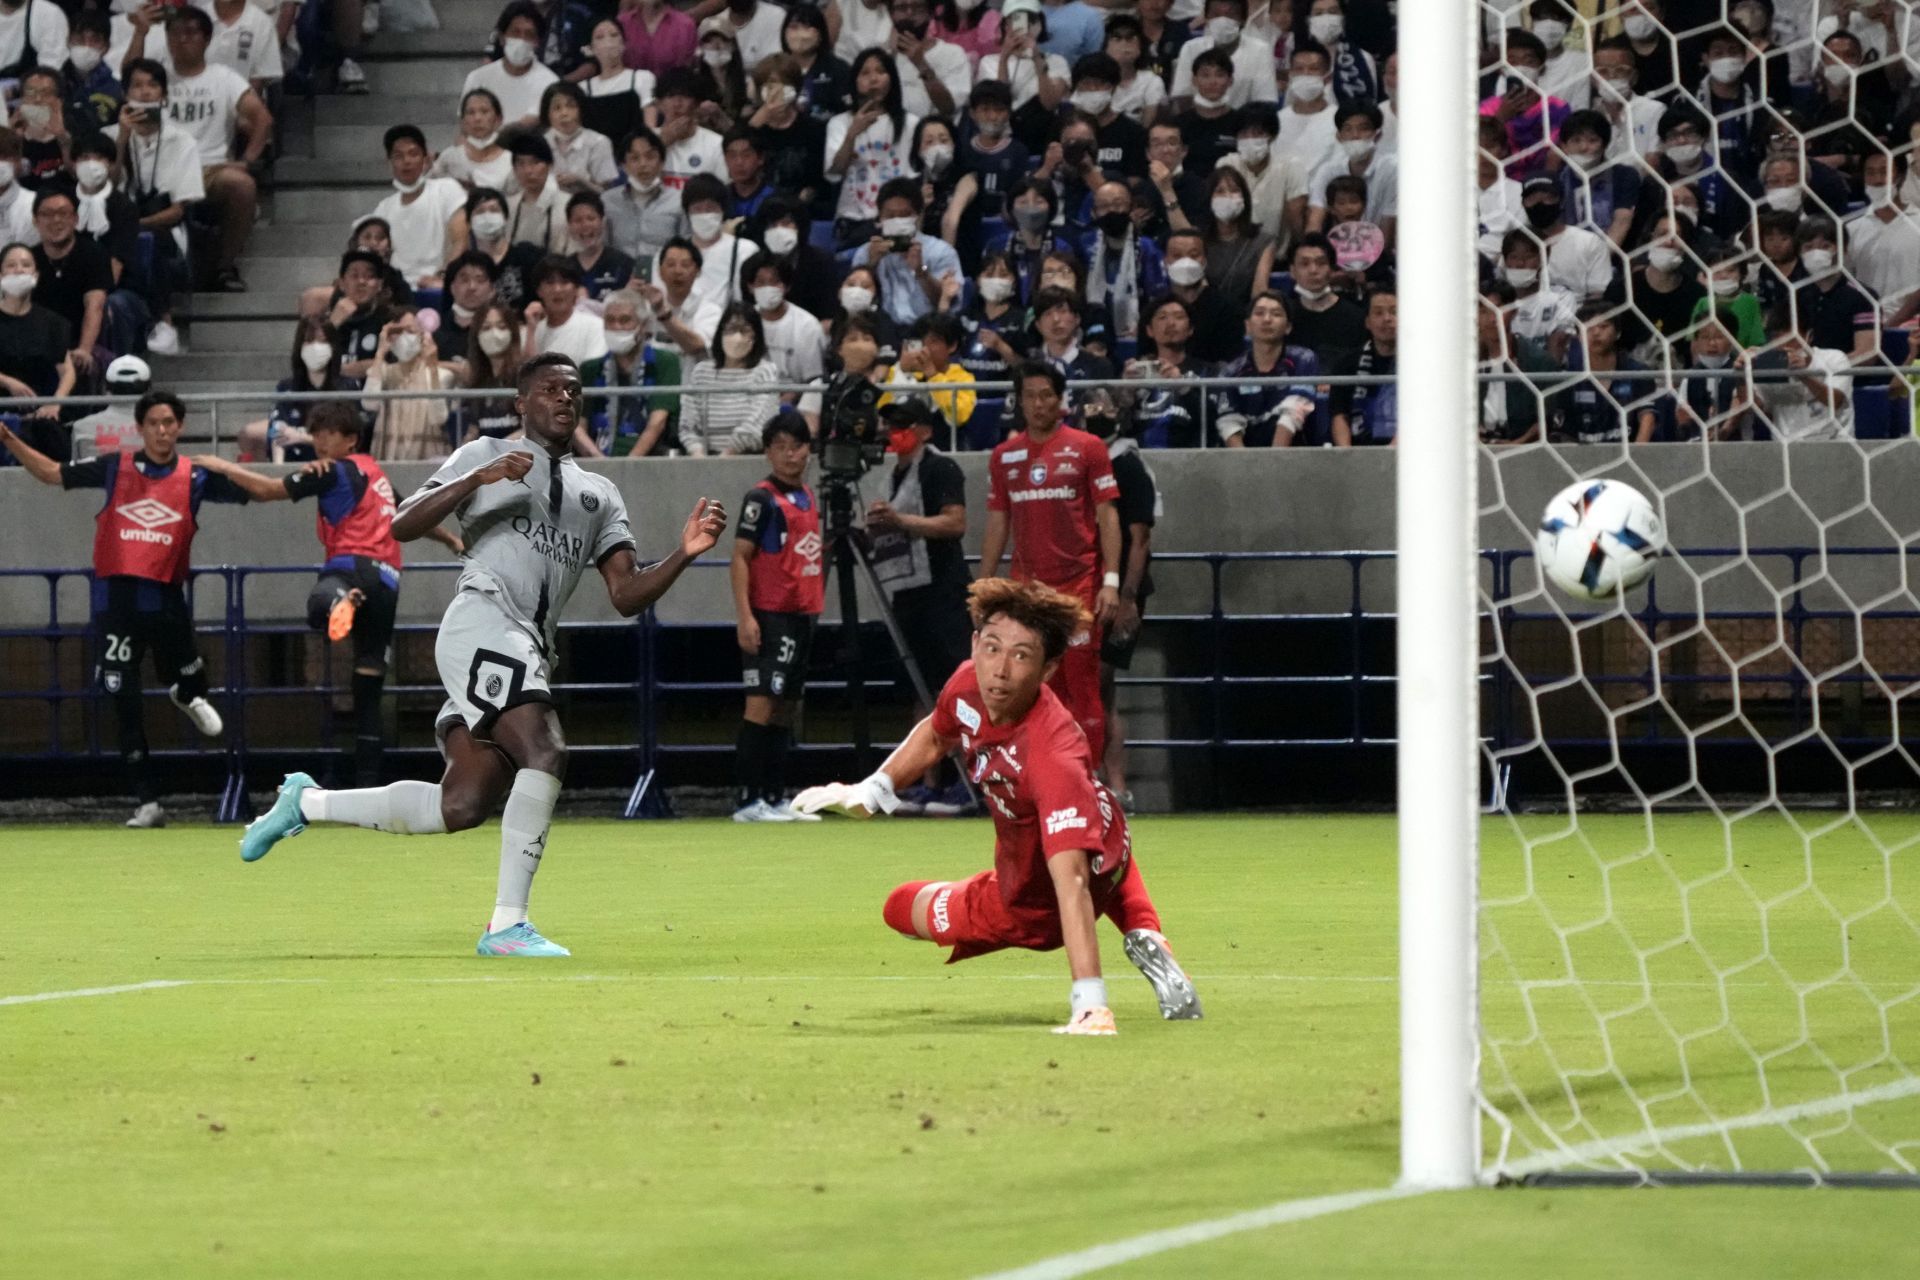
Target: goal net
1697,951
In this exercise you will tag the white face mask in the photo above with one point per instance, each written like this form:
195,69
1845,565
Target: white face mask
495,340
1786,199
1186,272
1615,90
1327,27
936,156
1312,295
1205,103
1817,261
316,355
18,285
35,115
1551,32
621,341
1686,155
1837,73
1520,277
1586,161
1725,70
1667,259
408,188
1717,361
782,239
856,298
1253,150
716,56
489,224
1878,197
768,297
779,95
995,288
517,52
484,141
84,57
1724,286
1639,26
1093,101
1358,148
405,346
90,172
462,316
1306,88
1228,208
705,225
1223,30
6,176
736,345
898,228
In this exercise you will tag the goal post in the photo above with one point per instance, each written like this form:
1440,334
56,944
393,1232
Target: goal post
1437,590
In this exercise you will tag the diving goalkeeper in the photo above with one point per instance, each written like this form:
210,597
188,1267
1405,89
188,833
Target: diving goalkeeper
1062,857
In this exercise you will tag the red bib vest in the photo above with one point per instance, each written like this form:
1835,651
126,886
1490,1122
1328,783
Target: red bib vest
792,579
147,526
367,530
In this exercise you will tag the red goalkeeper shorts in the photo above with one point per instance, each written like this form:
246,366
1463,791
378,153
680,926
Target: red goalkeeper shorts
971,917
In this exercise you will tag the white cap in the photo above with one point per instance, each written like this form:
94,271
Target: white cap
129,369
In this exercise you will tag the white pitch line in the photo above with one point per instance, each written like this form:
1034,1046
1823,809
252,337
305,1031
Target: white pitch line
1102,1256
80,993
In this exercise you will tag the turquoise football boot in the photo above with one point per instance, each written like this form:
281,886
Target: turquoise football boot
518,940
277,823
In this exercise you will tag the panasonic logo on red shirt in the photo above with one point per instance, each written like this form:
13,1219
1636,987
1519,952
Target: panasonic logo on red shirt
1035,495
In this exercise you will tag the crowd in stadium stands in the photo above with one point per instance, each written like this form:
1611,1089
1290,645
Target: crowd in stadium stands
742,196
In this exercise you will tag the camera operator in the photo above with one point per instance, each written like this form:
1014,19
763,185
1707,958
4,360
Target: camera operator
914,541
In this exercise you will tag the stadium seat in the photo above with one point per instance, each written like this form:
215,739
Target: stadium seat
1872,413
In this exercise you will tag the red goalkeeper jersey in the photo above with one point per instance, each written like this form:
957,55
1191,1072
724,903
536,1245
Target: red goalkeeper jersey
1051,493
1036,778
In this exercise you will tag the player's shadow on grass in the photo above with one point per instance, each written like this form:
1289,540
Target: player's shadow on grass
922,1019
347,955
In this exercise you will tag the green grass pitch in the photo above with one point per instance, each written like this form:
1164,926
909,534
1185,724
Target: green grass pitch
742,1072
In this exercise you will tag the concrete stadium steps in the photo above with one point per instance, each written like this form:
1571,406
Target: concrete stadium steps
442,77
383,109
359,142
332,206
257,370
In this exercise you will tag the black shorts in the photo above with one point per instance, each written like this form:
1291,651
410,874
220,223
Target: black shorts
779,670
135,617
372,621
1118,653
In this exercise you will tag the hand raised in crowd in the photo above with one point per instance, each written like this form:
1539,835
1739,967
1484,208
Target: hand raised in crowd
877,248
342,312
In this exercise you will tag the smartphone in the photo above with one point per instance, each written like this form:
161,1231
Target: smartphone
643,271
900,244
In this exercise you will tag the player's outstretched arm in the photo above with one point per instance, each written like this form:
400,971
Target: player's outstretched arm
428,507
922,749
1090,1014
37,464
632,588
260,488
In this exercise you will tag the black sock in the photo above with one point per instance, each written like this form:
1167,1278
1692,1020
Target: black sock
368,746
127,713
750,753
773,777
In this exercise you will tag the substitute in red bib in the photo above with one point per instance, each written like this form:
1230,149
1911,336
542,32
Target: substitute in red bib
779,588
358,592
1051,487
142,542
1062,856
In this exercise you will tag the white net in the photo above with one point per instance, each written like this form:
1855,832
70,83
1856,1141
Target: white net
1700,885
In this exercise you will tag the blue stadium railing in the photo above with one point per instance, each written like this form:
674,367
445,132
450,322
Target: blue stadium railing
1503,688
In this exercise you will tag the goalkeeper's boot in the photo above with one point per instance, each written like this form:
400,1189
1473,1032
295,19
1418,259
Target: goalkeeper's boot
277,823
340,617
1097,1021
1154,959
518,940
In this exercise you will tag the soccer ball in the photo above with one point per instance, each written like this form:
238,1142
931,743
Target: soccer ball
1598,539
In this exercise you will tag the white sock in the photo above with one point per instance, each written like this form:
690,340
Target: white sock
523,838
401,808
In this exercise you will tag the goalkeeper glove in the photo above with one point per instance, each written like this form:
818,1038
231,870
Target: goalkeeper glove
854,799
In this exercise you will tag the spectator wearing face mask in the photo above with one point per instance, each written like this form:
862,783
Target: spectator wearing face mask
1832,313
1354,75
1531,119
412,430
1210,124
493,361
1665,291
476,159
1569,70
1162,37
705,201
1883,241
1329,323
812,270
791,143
1250,53
1600,194
1854,105
1578,260
729,421
1545,317
1813,400
1656,69
1307,131
426,217
1124,268
629,426
1509,410
721,75
1609,405
996,340
470,287
1729,91
796,343
282,435
990,162
1499,196
826,81
860,296
1360,155
933,164
1685,162
1239,256
1633,116
1280,187
1140,94
1272,415
927,358
582,157
1120,143
918,273
1217,331
90,88
612,92
642,212
536,207
517,78
1703,405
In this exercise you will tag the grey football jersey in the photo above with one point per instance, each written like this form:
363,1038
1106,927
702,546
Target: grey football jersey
529,540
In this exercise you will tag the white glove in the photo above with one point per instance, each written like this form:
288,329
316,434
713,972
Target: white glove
854,799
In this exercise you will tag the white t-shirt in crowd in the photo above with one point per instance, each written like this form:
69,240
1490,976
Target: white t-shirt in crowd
583,336
16,215
46,22
862,28
1637,131
1568,76
796,344
250,44
1885,256
519,95
1134,100
207,106
720,264
760,37
1382,177
1307,138
1578,260
454,162
1280,182
1253,79
1543,313
1796,413
950,65
878,157
699,311
419,227
1019,76
1500,212
698,152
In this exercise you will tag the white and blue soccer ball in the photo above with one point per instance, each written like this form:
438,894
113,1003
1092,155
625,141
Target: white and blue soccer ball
1599,538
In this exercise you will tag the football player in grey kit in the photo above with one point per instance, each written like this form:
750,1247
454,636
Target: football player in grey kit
532,521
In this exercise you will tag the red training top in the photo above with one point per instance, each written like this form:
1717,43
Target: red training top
146,528
367,529
1052,492
1036,777
786,575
